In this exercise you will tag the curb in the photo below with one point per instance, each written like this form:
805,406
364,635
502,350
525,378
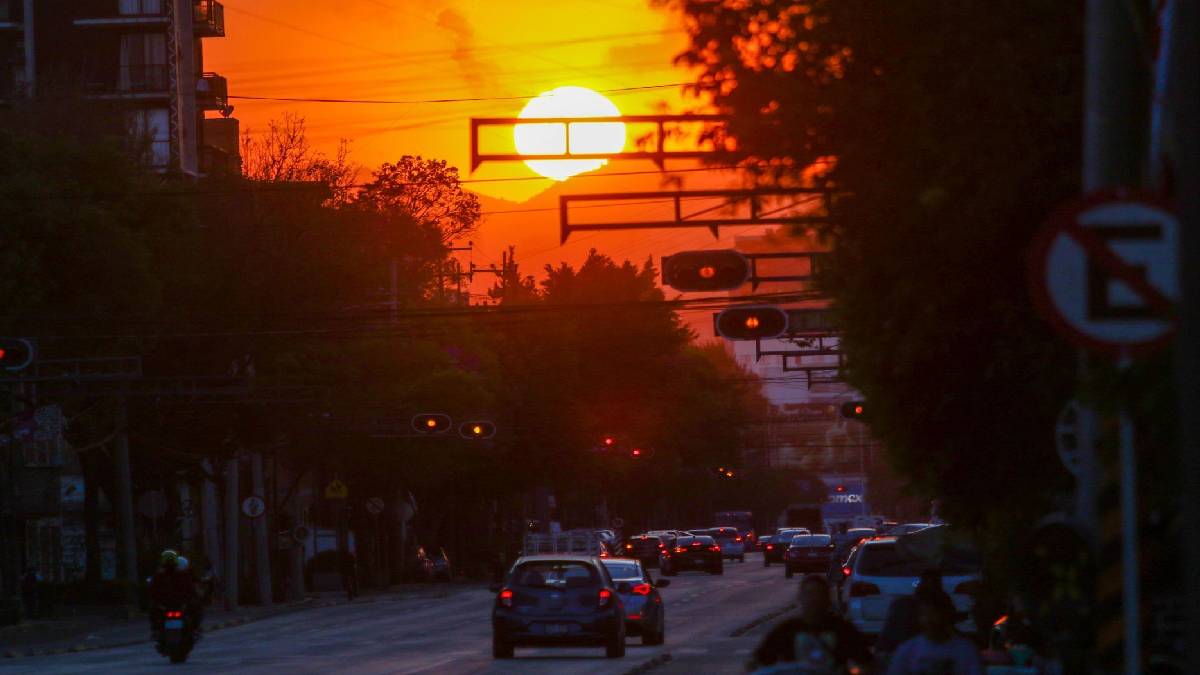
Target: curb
660,660
742,630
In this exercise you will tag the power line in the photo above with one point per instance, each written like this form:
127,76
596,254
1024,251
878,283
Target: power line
469,99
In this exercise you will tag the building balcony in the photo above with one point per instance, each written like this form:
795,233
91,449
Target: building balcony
145,81
208,18
124,14
212,92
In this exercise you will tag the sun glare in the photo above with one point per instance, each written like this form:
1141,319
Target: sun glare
586,137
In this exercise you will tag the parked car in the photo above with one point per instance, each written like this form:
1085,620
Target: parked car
646,548
808,553
558,600
645,614
694,553
778,543
876,574
733,545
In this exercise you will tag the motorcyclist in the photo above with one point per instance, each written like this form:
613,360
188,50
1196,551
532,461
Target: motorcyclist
171,587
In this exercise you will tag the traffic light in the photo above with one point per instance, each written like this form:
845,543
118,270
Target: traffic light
751,323
431,423
640,453
839,488
608,442
705,270
477,430
16,353
854,410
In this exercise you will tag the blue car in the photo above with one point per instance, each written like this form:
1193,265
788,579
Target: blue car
558,600
644,612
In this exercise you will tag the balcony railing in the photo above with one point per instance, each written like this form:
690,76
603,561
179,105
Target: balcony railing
212,92
208,18
125,80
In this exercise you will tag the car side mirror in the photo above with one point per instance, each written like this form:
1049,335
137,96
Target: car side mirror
624,587
662,583
495,588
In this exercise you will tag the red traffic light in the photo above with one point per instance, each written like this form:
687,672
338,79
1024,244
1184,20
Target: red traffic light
608,441
854,410
840,488
754,322
640,453
477,430
431,423
16,353
705,270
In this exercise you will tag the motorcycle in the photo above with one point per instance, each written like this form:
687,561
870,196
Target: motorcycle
177,636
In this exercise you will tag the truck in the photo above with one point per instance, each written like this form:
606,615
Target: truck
572,542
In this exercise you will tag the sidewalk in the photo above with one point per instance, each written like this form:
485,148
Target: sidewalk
101,629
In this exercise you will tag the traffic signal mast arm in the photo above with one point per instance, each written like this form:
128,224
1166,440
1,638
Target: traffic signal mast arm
753,197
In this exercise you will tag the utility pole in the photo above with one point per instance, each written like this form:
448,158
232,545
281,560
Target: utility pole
262,553
125,494
1182,104
231,532
1115,135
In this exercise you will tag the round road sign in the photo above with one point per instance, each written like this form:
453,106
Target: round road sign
253,506
1105,272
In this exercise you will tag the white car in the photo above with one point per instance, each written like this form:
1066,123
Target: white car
878,575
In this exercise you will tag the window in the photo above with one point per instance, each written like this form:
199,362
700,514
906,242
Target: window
143,62
140,7
150,134
621,570
555,574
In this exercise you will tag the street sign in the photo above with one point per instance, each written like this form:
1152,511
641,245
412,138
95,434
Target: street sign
336,490
253,506
375,506
1105,273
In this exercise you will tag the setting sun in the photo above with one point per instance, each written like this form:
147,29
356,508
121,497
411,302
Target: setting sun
596,137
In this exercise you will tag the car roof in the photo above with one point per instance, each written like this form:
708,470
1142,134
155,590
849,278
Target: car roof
552,557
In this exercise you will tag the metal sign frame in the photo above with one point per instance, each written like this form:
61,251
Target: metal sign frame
658,155
680,219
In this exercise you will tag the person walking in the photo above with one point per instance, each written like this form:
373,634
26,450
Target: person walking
818,641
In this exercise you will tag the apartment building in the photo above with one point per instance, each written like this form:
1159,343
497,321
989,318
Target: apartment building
143,58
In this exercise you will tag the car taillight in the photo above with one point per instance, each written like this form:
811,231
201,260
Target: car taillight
861,588
680,549
737,538
505,599
846,571
605,597
174,615
635,617
770,547
715,548
696,543
628,545
642,589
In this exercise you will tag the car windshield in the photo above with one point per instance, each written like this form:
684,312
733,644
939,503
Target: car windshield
555,574
623,570
811,540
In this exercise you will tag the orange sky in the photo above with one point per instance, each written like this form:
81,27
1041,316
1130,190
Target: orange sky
405,50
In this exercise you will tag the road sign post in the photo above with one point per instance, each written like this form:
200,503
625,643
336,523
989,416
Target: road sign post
1105,273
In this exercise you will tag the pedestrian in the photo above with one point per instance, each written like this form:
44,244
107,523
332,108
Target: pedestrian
901,623
29,592
938,650
817,641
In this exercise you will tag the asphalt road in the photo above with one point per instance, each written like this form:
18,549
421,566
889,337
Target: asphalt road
453,635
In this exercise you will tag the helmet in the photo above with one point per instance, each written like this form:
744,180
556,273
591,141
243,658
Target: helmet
169,558
183,563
